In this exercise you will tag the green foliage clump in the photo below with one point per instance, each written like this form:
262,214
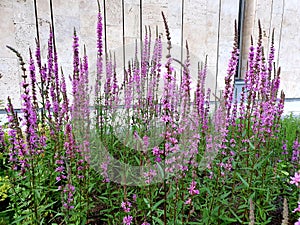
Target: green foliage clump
4,187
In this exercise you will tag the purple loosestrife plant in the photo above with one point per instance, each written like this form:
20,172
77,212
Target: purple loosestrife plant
154,76
99,63
74,161
229,91
145,57
296,151
108,84
215,185
33,82
30,113
43,78
128,91
137,88
213,140
86,104
55,93
17,151
80,109
48,77
28,148
202,99
75,78
2,139
168,108
185,88
115,101
262,92
66,173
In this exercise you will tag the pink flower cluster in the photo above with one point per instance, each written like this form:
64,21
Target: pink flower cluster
126,206
296,179
192,189
127,220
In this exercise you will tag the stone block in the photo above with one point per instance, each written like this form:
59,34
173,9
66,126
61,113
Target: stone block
113,12
10,81
7,33
132,20
6,4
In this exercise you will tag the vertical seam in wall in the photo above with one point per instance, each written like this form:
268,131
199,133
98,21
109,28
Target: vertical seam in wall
205,41
280,34
36,22
141,29
16,61
123,34
270,27
182,20
255,17
218,48
53,26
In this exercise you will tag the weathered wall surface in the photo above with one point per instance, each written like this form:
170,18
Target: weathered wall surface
208,25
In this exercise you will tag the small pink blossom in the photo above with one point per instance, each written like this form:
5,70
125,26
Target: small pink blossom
126,206
134,197
155,151
127,220
188,202
192,189
296,179
297,209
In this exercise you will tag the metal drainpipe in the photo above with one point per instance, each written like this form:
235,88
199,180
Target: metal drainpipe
245,36
240,36
246,24
238,81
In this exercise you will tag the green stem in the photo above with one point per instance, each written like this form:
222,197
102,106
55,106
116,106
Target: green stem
33,192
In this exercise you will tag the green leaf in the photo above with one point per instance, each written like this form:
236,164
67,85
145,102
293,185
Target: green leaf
158,220
225,195
147,202
251,146
243,180
47,206
236,216
157,204
227,219
284,172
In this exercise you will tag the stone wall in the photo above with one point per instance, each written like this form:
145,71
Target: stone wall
208,25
